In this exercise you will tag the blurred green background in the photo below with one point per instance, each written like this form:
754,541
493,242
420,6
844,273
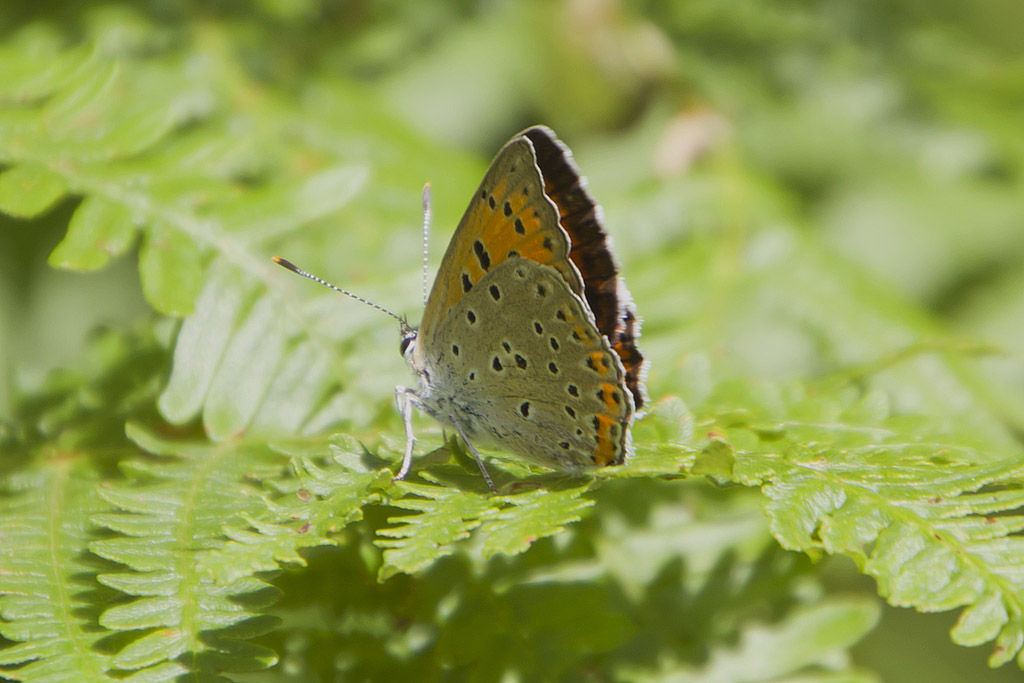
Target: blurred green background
768,171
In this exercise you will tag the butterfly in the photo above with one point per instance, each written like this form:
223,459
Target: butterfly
528,338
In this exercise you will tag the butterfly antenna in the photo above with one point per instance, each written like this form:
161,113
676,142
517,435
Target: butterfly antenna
299,271
426,237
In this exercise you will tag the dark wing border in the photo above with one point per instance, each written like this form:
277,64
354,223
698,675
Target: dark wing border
591,252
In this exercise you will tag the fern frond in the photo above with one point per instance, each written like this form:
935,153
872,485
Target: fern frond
315,505
443,516
931,516
56,449
48,588
167,512
112,132
530,516
150,147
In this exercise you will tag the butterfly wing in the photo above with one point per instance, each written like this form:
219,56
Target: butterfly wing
591,252
521,365
509,216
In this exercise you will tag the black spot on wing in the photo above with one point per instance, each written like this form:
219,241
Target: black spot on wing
481,254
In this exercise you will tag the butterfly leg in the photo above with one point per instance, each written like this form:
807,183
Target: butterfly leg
405,398
476,454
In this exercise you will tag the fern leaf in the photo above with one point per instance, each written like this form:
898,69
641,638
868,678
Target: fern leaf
98,230
217,349
314,508
121,144
236,392
531,516
48,580
114,134
36,64
171,270
298,386
929,518
441,517
168,510
29,189
201,343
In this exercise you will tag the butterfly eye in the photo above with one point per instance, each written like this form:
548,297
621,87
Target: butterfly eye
407,339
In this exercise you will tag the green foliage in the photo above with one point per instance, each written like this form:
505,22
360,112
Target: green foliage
443,515
205,492
51,593
927,517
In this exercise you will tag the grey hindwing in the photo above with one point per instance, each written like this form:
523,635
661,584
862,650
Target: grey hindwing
519,362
